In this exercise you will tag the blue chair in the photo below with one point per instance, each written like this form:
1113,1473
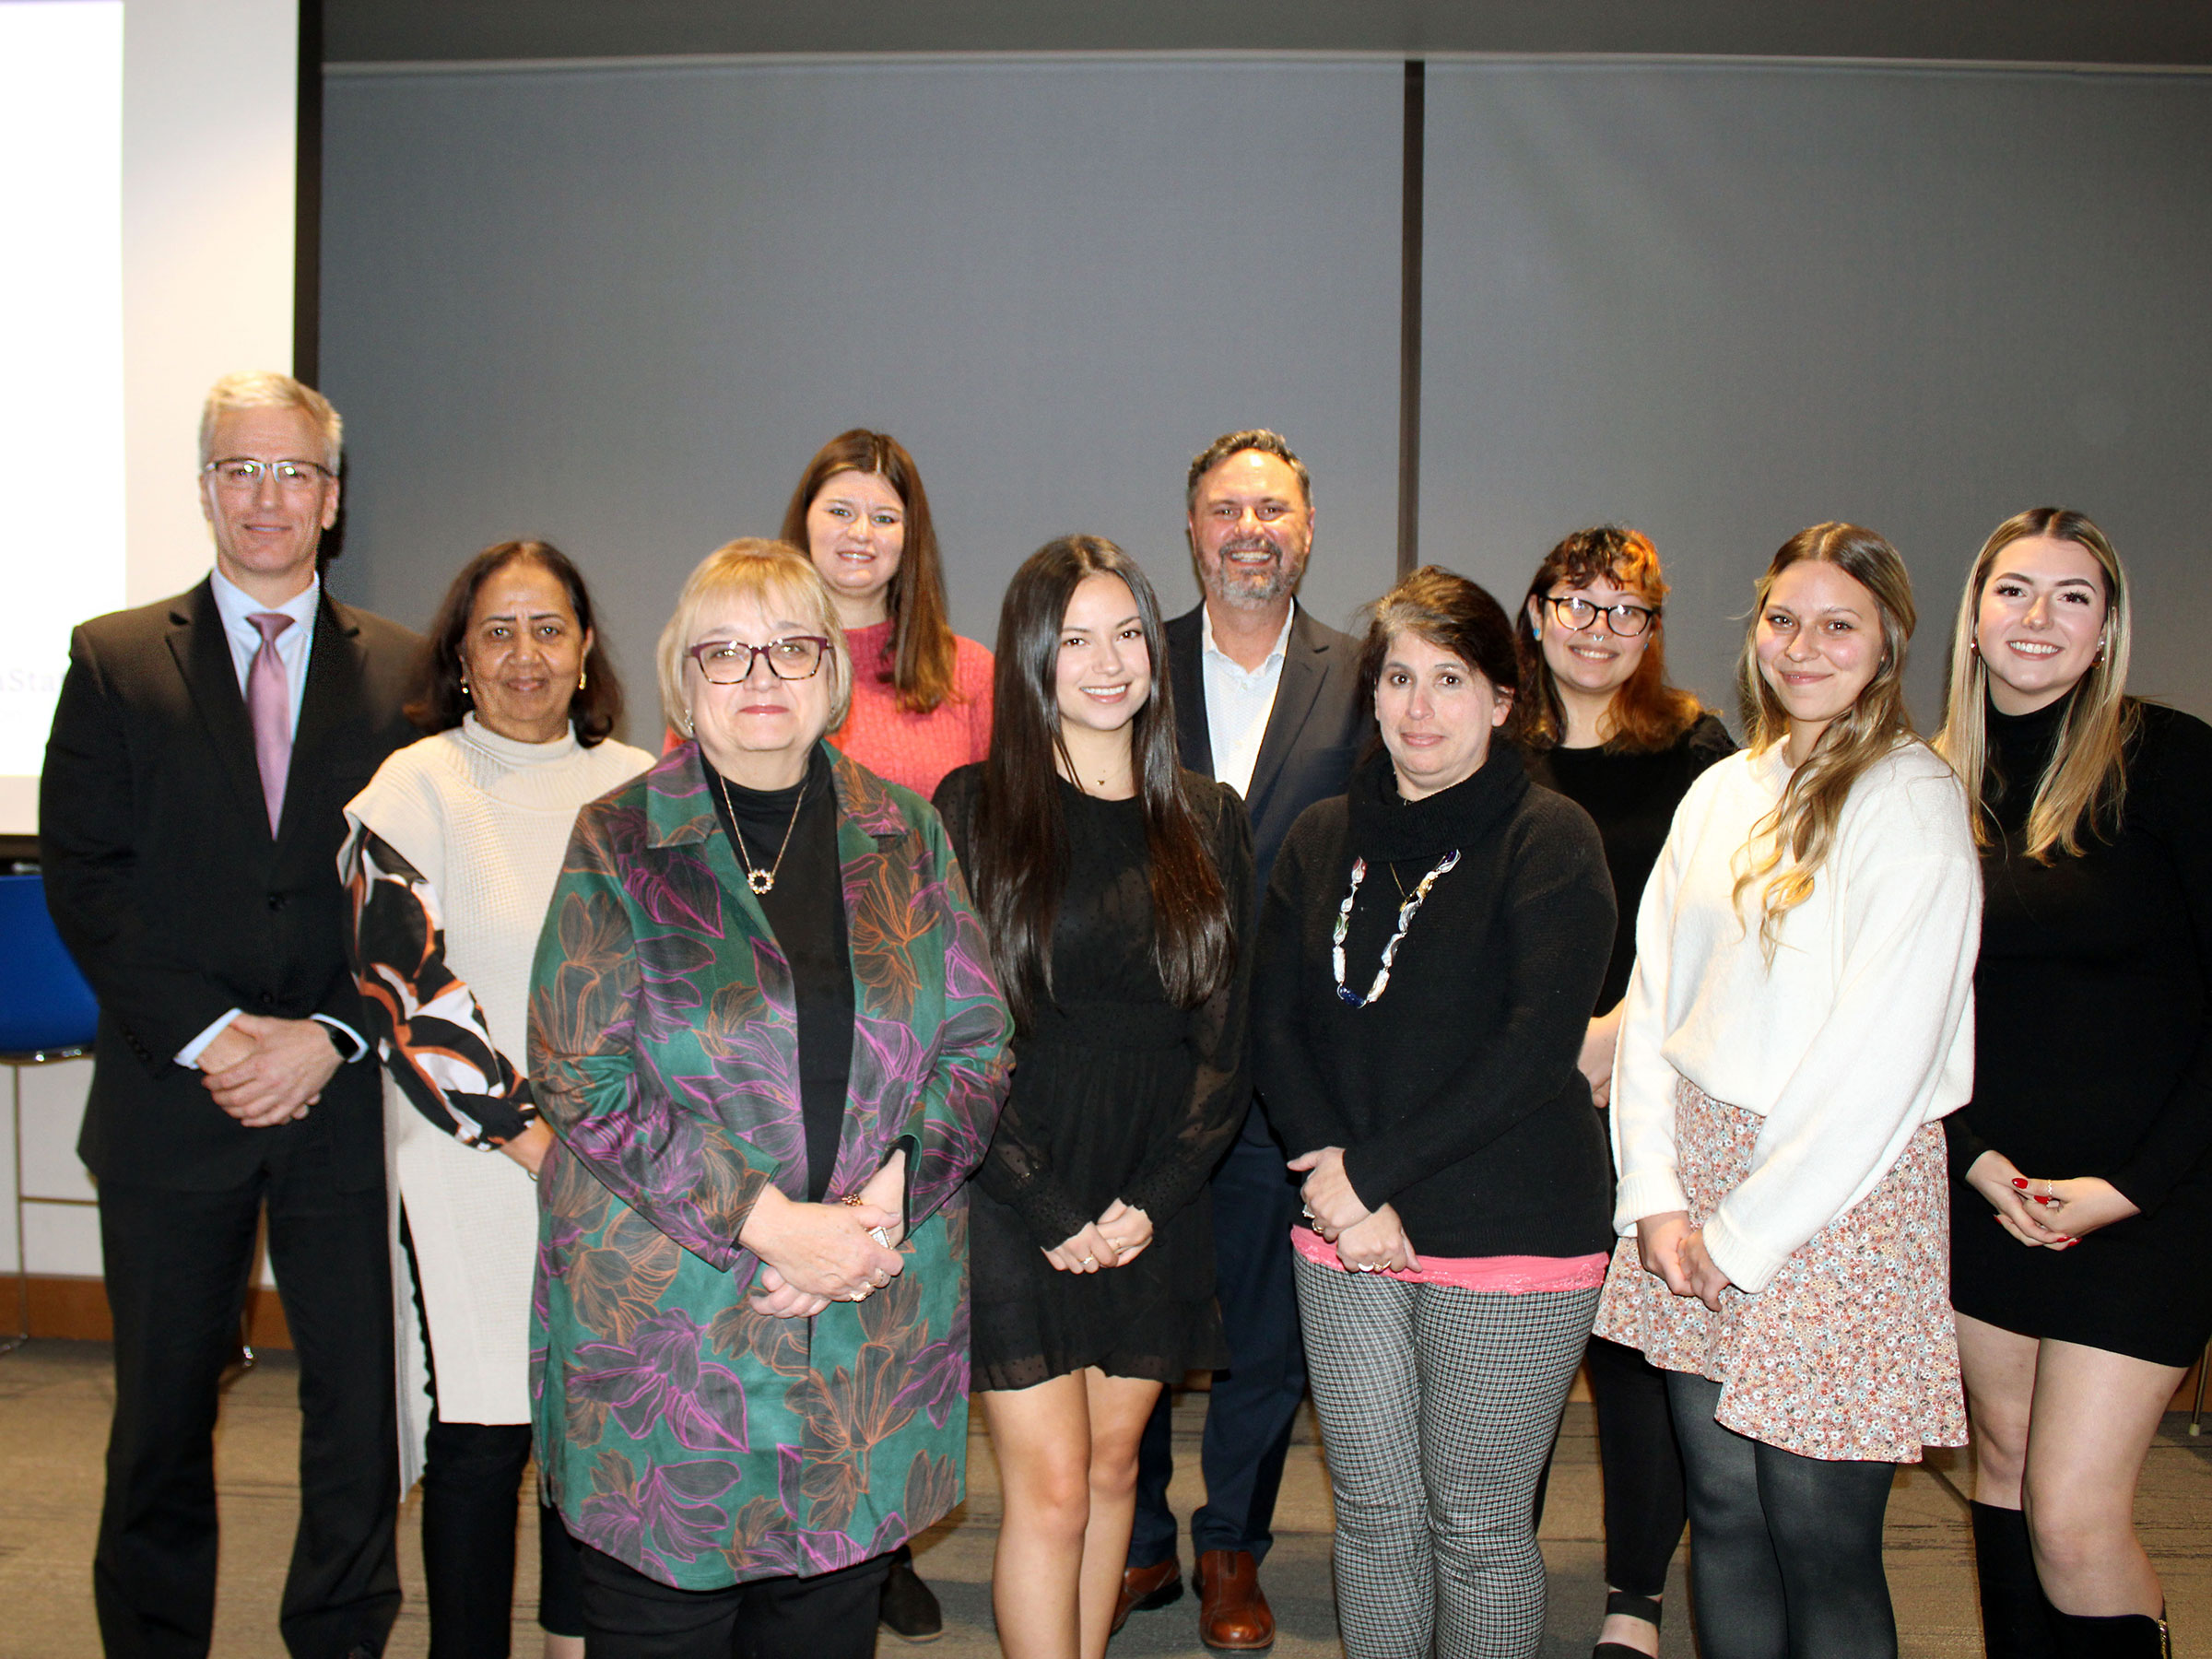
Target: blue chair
45,1006
47,1013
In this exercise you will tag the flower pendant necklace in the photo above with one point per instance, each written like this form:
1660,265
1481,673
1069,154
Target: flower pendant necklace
1390,952
761,881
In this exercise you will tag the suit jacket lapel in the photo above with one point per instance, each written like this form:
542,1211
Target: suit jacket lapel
1305,665
333,686
202,657
1186,648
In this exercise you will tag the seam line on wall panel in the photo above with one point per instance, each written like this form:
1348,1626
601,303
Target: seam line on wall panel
1410,318
369,68
307,200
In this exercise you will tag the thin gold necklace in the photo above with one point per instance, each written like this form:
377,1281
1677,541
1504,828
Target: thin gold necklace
761,881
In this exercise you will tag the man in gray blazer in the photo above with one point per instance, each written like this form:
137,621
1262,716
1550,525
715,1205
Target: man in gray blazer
190,816
1267,701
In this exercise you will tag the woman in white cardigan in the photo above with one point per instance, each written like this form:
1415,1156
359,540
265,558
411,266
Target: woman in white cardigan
454,849
1800,1016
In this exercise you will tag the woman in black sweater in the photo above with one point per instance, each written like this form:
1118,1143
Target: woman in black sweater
1599,723
1430,949
2083,1298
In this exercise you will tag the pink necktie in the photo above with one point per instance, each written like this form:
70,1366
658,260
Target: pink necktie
269,707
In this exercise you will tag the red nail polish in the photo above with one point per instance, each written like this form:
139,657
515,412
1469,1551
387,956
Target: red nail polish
2020,1181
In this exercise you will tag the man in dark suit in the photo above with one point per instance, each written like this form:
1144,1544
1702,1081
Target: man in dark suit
190,817
1267,701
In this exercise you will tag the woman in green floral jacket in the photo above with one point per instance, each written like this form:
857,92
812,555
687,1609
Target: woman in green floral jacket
765,1028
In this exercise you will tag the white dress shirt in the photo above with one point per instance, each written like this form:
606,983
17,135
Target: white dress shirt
294,646
1237,703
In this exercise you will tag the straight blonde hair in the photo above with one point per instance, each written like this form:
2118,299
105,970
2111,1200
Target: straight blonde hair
1788,845
2086,783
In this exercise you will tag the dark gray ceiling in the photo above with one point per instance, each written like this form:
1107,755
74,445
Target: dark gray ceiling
2150,33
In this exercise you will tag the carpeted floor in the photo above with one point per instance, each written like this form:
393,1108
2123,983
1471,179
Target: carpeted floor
55,1399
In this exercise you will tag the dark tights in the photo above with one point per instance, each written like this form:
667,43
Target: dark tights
1786,1552
469,1483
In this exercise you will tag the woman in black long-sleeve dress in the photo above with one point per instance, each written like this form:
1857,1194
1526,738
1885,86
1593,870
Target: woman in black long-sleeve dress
1116,891
2083,1298
1600,725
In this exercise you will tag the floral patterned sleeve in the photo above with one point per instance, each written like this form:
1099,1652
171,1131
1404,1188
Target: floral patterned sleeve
955,1111
660,1152
424,1021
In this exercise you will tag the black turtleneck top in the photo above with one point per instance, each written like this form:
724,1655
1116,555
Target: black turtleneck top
1456,1093
2093,992
806,911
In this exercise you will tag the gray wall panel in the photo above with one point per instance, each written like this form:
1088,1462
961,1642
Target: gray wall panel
622,308
1725,302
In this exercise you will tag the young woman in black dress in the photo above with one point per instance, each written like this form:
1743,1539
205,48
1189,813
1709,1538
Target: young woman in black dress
1116,891
1600,725
2083,1298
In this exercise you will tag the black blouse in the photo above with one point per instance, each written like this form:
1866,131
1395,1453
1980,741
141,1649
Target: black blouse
806,911
1633,797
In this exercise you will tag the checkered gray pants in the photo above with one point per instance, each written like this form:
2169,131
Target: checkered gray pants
1437,1408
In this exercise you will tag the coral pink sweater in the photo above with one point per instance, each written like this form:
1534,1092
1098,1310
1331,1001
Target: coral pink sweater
915,749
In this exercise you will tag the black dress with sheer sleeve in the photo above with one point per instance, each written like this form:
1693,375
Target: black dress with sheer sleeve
1117,1094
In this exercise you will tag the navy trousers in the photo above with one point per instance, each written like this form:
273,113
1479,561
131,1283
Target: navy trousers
1255,1401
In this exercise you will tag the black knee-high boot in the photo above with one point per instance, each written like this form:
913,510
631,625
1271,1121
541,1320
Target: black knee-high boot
2129,1636
2016,1617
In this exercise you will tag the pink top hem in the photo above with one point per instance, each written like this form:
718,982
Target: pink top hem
1497,1276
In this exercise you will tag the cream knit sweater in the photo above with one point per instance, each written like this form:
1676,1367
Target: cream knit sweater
486,822
1860,1031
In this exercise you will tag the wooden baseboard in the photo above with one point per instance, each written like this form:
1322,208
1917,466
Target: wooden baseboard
76,1309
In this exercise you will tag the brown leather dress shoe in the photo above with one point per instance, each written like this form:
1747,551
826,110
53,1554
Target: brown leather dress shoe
1153,1586
1233,1615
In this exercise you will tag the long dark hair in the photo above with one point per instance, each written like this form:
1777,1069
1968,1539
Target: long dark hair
920,657
1020,842
440,702
1646,713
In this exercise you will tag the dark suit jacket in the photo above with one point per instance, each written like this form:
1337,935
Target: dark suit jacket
174,897
1313,733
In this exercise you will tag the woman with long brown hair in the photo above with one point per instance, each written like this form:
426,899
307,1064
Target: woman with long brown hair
1799,1018
2086,1141
1115,889
920,693
1599,722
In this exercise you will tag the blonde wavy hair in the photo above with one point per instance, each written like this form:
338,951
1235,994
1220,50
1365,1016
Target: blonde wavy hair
2086,782
1788,846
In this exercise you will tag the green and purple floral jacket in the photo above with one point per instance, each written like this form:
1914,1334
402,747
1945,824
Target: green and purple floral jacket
679,1431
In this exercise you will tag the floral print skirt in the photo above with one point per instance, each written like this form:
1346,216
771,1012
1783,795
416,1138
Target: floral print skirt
1850,1351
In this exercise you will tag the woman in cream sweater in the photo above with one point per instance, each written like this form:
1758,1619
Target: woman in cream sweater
1800,1014
454,849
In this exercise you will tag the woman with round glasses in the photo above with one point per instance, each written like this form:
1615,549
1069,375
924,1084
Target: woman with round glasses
2082,1196
1432,944
1600,725
920,693
765,1027
1116,889
454,848
1800,1014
